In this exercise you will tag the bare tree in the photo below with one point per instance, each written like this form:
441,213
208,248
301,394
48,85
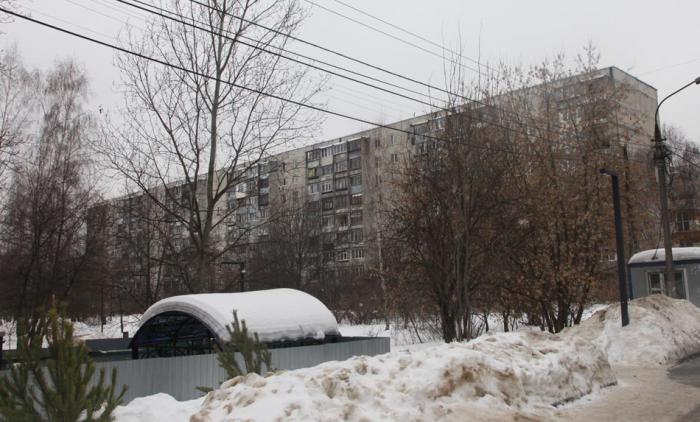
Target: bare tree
559,256
47,251
17,87
201,129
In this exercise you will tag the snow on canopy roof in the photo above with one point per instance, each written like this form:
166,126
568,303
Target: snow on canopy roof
276,314
659,255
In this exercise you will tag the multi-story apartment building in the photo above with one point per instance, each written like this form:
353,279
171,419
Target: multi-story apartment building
342,185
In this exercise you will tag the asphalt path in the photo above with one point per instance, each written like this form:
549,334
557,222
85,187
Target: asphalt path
688,373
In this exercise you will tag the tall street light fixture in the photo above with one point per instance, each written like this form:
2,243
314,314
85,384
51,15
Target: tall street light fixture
620,246
660,156
241,266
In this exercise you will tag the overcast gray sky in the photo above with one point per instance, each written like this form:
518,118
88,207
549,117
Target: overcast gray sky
655,41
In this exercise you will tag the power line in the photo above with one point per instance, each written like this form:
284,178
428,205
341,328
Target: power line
413,34
401,40
161,14
277,97
460,96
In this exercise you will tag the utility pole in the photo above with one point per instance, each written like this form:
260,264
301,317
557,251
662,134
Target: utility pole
660,157
619,240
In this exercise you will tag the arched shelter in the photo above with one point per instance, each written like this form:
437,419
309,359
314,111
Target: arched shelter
191,324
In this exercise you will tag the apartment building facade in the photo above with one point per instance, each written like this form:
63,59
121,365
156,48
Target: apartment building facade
344,186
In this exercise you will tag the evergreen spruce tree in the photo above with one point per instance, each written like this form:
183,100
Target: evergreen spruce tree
256,357
61,390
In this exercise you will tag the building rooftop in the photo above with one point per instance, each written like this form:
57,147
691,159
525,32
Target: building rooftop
659,256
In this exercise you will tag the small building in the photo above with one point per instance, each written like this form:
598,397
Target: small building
192,324
647,268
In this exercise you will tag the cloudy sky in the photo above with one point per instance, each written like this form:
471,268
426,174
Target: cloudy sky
655,41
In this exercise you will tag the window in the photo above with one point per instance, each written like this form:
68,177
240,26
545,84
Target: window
341,202
313,155
377,143
341,220
355,163
264,183
356,180
325,152
340,166
313,188
341,183
682,222
329,256
328,169
312,173
313,206
263,199
355,218
341,237
655,279
392,139
328,204
358,253
354,145
338,149
342,255
394,158
356,199
327,186
264,213
356,236
328,221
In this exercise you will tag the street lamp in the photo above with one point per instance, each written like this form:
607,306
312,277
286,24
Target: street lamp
241,265
620,246
2,340
660,155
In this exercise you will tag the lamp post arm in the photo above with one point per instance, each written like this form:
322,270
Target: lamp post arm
696,81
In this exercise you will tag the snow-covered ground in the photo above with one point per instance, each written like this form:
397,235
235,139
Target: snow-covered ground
89,329
158,407
498,376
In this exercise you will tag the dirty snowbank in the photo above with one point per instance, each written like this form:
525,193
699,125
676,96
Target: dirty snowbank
661,331
492,377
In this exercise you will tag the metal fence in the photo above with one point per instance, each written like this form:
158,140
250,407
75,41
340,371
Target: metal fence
180,376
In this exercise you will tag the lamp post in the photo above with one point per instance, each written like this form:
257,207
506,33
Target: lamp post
620,246
241,265
2,341
660,155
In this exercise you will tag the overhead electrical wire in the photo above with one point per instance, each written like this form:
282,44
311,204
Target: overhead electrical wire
273,96
413,34
401,40
456,95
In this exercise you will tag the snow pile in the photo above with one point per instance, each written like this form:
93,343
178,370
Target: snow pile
661,331
275,314
158,407
492,377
